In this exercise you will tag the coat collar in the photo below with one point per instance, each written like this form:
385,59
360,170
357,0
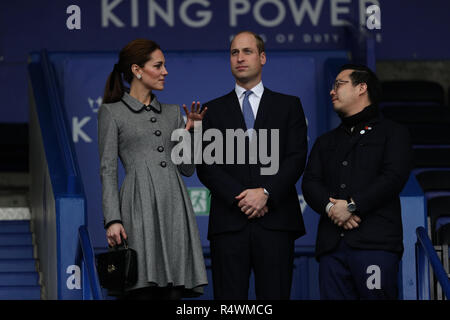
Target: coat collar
135,105
235,111
361,120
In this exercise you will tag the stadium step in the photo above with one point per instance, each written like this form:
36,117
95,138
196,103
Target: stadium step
16,252
20,292
14,227
15,239
17,265
19,279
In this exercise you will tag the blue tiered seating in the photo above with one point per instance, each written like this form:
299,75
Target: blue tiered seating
19,279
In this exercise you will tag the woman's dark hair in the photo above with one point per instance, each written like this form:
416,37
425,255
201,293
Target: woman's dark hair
136,52
362,74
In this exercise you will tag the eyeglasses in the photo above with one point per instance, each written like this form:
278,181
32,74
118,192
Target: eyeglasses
338,83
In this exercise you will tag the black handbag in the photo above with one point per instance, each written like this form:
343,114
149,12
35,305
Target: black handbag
117,268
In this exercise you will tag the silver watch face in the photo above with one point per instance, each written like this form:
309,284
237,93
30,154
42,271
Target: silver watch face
351,207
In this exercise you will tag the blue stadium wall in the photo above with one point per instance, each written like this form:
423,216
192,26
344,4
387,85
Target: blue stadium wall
410,30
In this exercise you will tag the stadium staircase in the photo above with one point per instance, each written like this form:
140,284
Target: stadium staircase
19,279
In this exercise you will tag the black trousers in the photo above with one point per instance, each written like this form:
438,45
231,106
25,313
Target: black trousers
269,253
355,274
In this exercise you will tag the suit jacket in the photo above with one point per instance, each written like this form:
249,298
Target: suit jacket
226,181
370,165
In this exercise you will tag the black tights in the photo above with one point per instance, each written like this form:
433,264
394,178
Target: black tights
155,293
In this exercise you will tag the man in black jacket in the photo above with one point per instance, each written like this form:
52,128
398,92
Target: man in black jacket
353,179
255,214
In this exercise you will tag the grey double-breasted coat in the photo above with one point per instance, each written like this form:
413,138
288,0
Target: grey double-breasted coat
153,203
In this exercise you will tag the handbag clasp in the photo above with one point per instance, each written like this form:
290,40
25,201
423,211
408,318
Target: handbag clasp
111,268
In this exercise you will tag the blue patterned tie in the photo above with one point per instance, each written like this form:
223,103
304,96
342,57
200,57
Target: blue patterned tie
249,117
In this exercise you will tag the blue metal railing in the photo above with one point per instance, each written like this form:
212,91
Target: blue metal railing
88,258
70,230
426,247
91,287
59,119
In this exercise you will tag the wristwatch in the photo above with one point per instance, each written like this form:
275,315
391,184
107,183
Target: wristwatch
266,192
351,207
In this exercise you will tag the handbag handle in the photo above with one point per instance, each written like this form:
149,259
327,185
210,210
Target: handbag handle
124,244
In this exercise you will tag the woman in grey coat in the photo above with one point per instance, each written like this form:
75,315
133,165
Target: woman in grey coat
153,210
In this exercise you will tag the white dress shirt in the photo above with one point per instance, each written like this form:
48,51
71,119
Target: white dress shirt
254,98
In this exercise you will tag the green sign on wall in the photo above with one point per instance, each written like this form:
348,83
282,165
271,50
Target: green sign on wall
200,200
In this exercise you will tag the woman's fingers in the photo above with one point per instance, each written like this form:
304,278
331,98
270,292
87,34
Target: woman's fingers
124,234
110,243
114,234
195,107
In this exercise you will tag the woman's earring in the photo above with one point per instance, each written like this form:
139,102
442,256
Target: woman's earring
138,76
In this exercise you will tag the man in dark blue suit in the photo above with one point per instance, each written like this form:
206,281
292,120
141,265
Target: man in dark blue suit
255,215
353,179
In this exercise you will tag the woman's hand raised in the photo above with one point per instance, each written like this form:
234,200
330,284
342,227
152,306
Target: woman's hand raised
194,114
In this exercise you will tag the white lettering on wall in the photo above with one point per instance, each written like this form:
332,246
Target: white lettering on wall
238,7
203,15
167,15
77,131
298,13
199,13
281,13
336,10
108,16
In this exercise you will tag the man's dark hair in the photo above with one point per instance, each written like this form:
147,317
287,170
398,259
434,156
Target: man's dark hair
362,74
259,40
